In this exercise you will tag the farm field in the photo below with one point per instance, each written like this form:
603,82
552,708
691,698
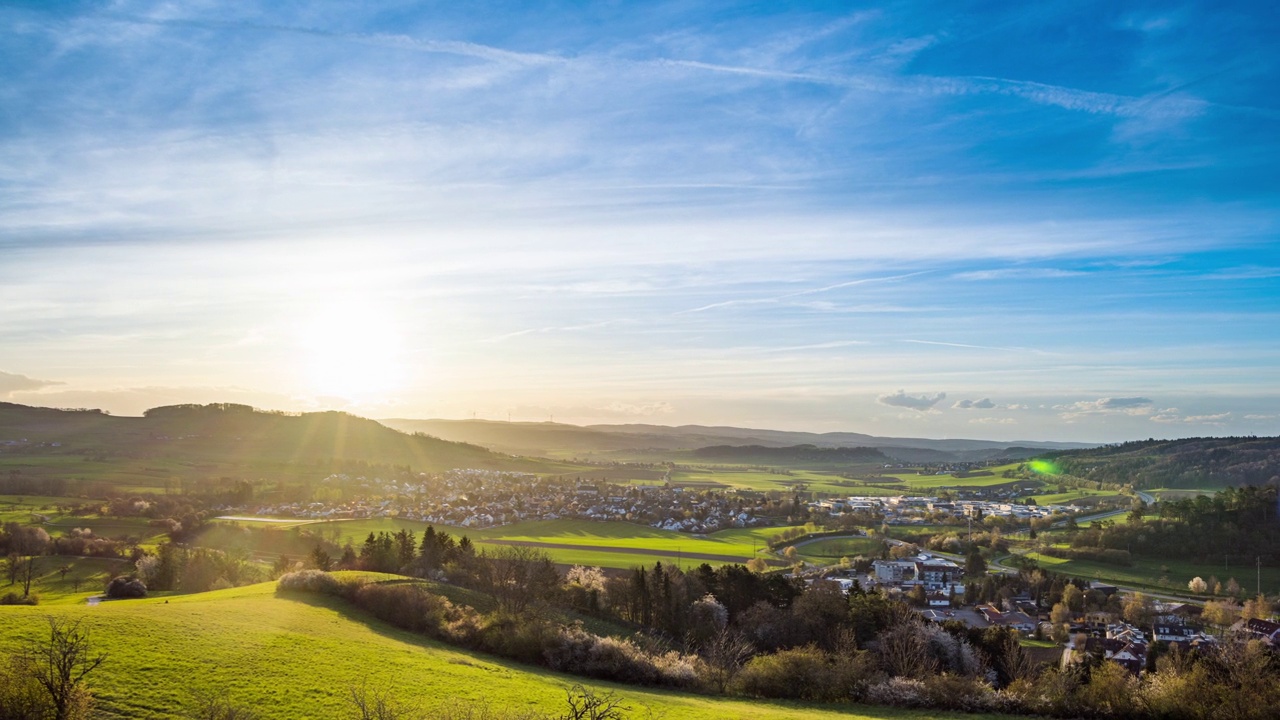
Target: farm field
22,509
821,482
620,545
256,649
764,481
1068,497
825,551
1146,573
84,577
917,482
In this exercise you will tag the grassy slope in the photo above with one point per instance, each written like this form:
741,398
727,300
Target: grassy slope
296,658
1147,573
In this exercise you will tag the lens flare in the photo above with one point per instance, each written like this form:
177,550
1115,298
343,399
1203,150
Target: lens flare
1043,467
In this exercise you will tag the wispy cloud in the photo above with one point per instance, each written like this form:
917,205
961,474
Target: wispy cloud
921,403
976,347
800,293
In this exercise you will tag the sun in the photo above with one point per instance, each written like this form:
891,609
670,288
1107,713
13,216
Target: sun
352,351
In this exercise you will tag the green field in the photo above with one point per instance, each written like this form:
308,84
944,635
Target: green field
831,484
1067,498
1148,573
612,544
55,588
764,481
830,550
298,658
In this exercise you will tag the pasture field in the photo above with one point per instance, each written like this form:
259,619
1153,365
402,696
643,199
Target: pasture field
917,482
1181,493
831,549
23,509
85,577
828,483
1068,498
607,544
1147,573
298,657
764,481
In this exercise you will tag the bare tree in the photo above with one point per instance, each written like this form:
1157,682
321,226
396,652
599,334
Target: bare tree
585,704
517,576
380,704
28,573
60,664
13,567
725,654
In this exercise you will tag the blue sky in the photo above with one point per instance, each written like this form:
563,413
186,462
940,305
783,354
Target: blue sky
998,220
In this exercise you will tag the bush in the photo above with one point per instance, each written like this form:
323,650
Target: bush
574,650
406,606
126,586
13,598
315,581
806,673
897,691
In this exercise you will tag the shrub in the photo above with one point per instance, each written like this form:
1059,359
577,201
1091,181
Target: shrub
315,581
897,691
956,692
407,606
574,650
806,673
126,586
13,598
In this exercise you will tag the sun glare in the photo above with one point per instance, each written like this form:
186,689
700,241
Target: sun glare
352,351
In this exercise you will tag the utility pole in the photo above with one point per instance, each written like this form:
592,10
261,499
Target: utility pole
1259,560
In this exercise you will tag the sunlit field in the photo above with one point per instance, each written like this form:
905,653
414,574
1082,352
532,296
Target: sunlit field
611,544
245,644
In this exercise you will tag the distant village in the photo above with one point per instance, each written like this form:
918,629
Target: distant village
910,510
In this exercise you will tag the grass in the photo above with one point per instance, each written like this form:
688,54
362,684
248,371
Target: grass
613,544
831,484
826,551
299,657
53,588
1067,497
1148,573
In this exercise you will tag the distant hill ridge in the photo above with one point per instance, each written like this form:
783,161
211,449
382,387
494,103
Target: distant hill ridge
1186,463
541,438
222,431
793,453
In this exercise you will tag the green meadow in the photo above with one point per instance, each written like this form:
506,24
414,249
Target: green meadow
830,550
83,578
1150,573
611,544
1066,498
298,657
829,483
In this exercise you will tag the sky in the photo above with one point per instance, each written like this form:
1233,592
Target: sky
1010,221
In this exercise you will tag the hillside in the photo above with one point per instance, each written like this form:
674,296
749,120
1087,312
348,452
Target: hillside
558,439
193,442
257,649
1189,463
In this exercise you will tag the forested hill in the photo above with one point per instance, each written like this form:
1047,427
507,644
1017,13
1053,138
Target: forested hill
1188,463
793,455
221,433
